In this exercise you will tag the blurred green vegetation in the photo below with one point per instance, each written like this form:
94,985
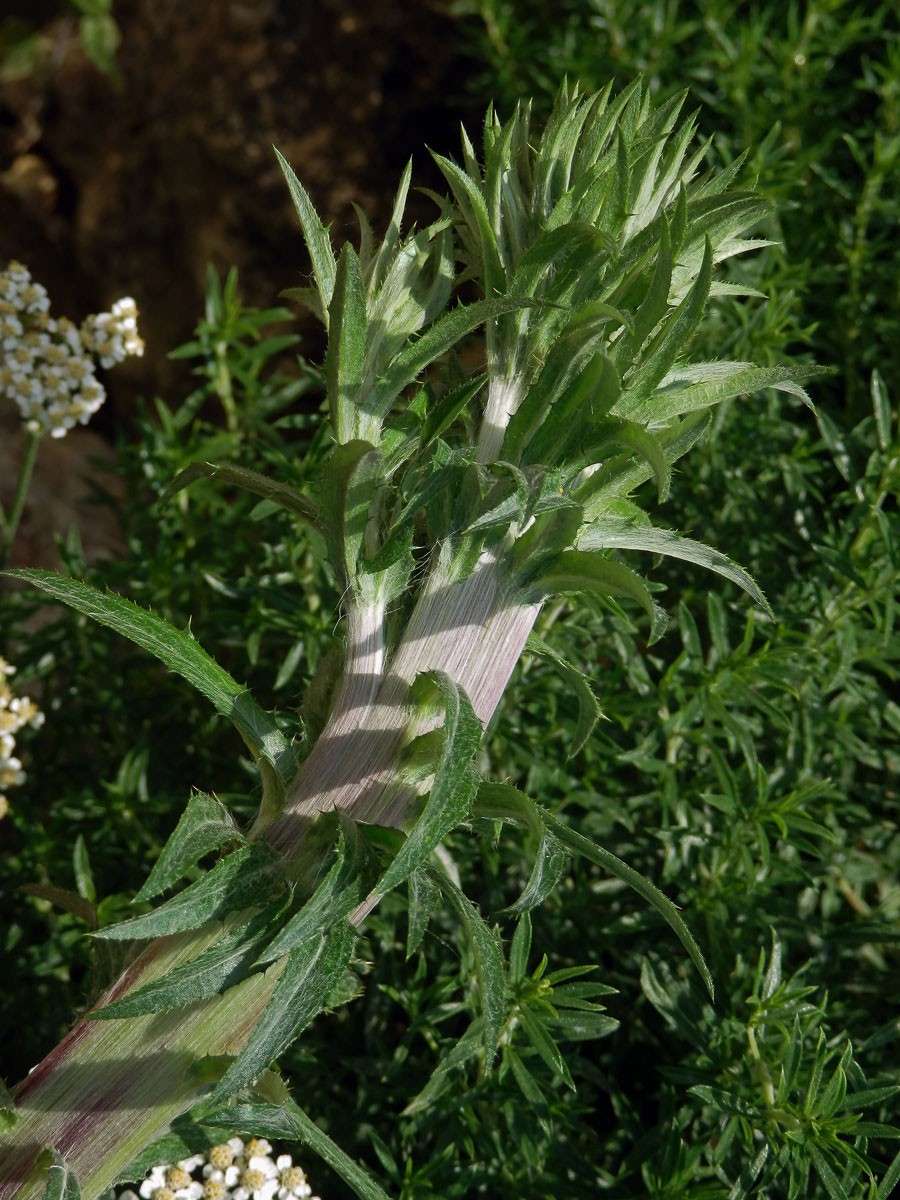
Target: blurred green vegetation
748,766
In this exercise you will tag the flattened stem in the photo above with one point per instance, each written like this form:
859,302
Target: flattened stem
474,631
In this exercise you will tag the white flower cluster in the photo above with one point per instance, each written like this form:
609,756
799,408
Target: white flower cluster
46,365
15,712
232,1171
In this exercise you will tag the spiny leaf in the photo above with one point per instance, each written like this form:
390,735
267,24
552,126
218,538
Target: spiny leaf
722,382
650,892
588,708
488,961
316,235
342,889
270,489
346,356
209,974
180,653
205,825
440,337
659,355
546,872
612,533
247,878
310,975
424,898
454,784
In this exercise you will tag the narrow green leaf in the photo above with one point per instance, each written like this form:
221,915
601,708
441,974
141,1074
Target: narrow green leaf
180,653
288,1122
520,948
209,974
424,899
205,825
339,893
826,1173
61,1181
881,406
543,1043
316,235
346,355
588,707
454,784
65,899
84,879
251,481
247,878
663,905
890,1180
612,533
311,973
528,1085
488,962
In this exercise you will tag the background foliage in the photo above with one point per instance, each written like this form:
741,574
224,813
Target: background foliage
749,766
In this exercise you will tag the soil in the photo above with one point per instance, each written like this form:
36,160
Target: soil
130,185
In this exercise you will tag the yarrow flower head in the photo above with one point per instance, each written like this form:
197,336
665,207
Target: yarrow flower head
47,366
15,713
233,1170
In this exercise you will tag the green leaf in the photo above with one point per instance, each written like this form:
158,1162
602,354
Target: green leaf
440,337
588,707
8,1114
209,974
205,825
180,653
424,899
503,802
454,784
520,948
549,864
247,878
663,905
612,533
575,571
354,473
543,1043
717,382
488,962
84,879
312,972
61,1181
659,355
288,1122
339,893
881,406
527,1083
100,37
441,416
251,481
346,357
317,239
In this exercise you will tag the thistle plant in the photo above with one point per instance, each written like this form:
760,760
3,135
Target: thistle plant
451,502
